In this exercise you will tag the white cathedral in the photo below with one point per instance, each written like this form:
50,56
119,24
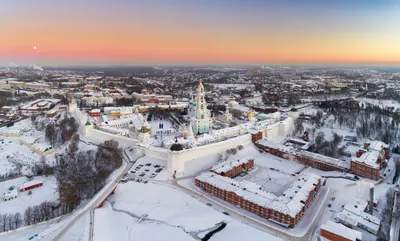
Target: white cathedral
201,122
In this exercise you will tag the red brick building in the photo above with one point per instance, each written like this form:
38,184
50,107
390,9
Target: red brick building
233,168
307,158
286,209
338,232
370,159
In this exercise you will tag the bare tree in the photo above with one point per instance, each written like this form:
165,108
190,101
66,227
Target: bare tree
17,220
28,216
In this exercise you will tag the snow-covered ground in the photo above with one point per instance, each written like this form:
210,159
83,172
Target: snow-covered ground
47,192
167,213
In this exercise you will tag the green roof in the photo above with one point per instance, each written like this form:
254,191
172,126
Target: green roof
88,123
293,110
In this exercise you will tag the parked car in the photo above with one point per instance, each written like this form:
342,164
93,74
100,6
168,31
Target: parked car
209,204
356,177
226,213
142,174
145,182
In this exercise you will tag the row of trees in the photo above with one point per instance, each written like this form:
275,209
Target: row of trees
369,121
10,221
80,174
42,212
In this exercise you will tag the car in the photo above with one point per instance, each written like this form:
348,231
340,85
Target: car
156,166
209,204
260,151
148,164
356,177
146,170
226,213
153,175
329,205
132,172
145,182
271,168
293,174
158,170
142,174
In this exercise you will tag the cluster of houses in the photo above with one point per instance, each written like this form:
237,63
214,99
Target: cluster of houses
354,215
286,210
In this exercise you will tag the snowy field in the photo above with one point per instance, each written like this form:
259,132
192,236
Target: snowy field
47,192
168,211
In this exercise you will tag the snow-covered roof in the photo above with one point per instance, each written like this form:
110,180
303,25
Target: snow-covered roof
229,165
342,231
347,218
325,159
28,139
356,206
31,183
277,146
41,147
377,145
12,131
253,192
369,158
10,194
95,110
363,220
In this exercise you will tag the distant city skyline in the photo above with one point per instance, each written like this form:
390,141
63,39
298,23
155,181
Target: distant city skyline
179,32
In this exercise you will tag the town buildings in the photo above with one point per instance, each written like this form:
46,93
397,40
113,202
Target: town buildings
151,99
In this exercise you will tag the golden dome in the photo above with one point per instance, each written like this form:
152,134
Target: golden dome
201,84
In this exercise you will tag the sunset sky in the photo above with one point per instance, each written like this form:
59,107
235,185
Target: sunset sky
77,32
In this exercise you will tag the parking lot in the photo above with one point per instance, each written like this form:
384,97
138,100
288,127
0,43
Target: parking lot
142,172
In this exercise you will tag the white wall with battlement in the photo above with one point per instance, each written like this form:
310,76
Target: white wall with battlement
102,136
81,117
176,160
